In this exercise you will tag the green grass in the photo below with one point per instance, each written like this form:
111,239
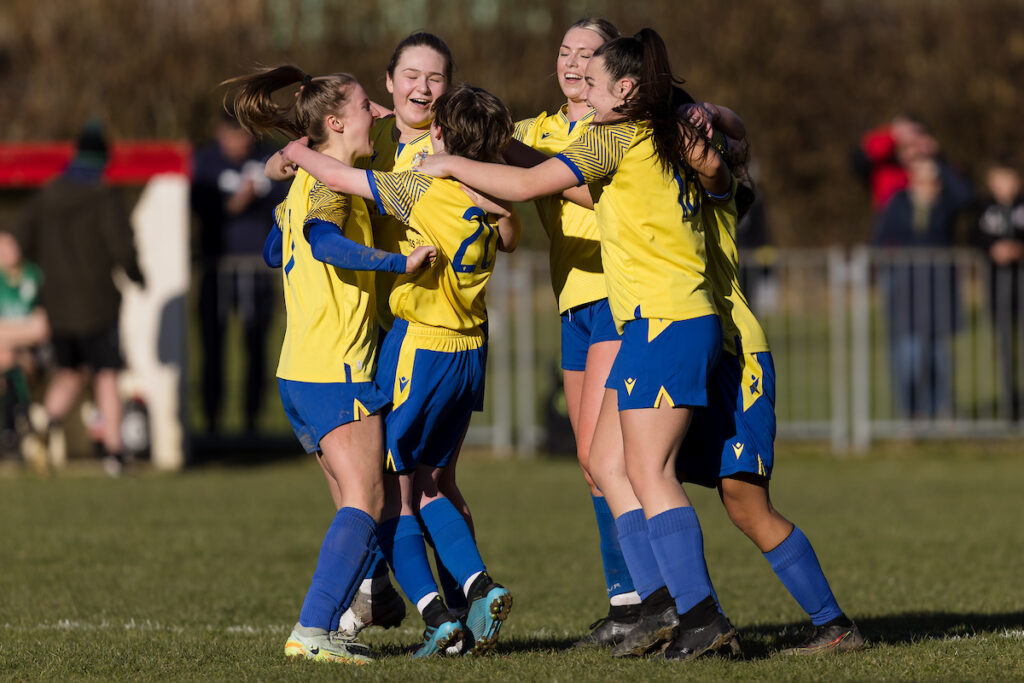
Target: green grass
201,575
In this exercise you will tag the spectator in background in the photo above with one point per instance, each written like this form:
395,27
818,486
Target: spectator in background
234,202
999,233
920,289
882,157
23,325
77,230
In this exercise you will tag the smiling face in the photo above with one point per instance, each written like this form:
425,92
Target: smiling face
577,47
603,93
418,80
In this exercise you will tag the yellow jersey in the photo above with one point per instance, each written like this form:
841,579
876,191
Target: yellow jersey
575,257
389,233
450,293
331,331
652,237
738,321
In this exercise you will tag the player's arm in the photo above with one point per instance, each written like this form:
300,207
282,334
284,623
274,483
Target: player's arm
336,175
510,229
712,172
330,246
502,181
522,155
272,254
580,195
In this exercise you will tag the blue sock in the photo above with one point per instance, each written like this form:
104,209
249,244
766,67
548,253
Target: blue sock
636,550
375,566
401,541
340,567
378,566
796,565
679,546
453,595
452,539
616,575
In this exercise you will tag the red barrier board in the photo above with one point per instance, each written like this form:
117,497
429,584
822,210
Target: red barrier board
30,164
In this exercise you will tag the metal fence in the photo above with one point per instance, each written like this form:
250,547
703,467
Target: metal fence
867,343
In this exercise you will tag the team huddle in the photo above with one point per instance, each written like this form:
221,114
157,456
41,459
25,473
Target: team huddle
386,242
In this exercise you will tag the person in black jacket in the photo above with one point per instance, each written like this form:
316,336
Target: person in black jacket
999,233
77,230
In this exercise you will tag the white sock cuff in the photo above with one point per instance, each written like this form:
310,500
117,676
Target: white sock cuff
424,601
469,582
630,598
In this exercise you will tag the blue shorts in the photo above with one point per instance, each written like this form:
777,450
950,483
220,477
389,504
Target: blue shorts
316,408
582,327
434,392
736,432
672,365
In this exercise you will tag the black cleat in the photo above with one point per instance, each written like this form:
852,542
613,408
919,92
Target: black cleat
691,643
657,625
830,637
610,630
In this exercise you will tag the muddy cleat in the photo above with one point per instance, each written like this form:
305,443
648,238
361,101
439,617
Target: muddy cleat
830,637
657,625
610,630
437,639
489,605
693,642
316,644
385,609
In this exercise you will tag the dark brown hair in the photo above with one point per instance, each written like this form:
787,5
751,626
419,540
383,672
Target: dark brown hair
249,99
473,123
422,39
655,97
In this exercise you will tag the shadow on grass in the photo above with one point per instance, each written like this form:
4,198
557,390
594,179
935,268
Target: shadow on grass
896,629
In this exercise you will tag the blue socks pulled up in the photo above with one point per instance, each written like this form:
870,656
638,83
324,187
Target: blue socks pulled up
616,574
636,550
452,539
678,544
401,541
796,565
345,555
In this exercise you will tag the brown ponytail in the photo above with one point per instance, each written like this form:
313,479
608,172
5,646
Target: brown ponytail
655,97
250,99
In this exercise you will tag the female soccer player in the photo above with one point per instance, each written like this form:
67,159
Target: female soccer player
589,339
731,443
647,205
432,360
328,357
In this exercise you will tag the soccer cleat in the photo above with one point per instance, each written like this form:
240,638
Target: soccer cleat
437,639
611,629
657,625
316,644
489,605
385,609
830,637
693,642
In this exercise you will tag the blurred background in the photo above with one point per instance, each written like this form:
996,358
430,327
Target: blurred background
847,104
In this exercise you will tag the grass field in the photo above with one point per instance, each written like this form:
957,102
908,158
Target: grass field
201,575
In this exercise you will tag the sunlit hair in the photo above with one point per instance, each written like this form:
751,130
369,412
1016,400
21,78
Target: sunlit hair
250,100
422,39
473,123
655,97
601,27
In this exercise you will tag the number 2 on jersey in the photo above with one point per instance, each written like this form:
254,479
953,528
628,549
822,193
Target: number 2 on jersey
477,214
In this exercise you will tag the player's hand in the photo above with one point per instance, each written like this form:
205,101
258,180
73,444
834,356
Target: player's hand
485,202
700,116
286,157
433,165
421,257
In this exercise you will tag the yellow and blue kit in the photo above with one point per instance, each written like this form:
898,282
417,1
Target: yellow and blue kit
432,360
736,433
575,255
655,264
328,356
389,233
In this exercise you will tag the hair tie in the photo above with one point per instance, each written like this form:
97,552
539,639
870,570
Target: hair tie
306,80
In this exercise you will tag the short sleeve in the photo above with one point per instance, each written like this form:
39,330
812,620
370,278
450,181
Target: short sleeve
396,193
522,129
327,206
598,152
280,213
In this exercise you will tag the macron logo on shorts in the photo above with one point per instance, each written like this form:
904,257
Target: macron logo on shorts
630,382
737,448
402,382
